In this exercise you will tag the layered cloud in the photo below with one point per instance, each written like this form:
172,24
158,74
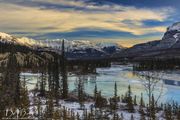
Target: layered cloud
40,17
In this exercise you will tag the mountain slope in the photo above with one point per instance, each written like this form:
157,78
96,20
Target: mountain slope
166,48
24,41
27,52
80,49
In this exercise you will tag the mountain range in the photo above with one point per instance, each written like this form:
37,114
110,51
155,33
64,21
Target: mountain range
167,47
80,49
43,51
27,52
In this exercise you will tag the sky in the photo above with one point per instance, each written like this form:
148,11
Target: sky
126,22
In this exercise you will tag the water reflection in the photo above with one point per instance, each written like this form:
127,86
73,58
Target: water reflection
105,78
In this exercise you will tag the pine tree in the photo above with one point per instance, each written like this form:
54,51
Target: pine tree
100,101
39,109
24,99
64,73
135,103
42,84
115,90
95,92
55,87
132,117
129,100
152,109
80,90
142,114
115,99
142,101
50,106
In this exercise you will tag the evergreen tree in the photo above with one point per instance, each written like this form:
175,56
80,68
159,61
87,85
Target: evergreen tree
50,106
152,109
42,84
142,101
115,90
95,92
100,101
142,114
135,103
132,117
55,81
39,108
64,73
114,100
130,105
24,99
80,90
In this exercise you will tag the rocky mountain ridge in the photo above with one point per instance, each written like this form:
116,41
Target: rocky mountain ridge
167,47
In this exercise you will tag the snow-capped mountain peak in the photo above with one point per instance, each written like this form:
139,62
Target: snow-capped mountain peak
6,38
4,35
174,27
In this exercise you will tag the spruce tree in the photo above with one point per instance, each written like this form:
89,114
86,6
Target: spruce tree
24,99
64,73
152,109
50,106
135,103
142,101
100,101
132,117
80,90
42,84
95,92
130,105
115,99
142,114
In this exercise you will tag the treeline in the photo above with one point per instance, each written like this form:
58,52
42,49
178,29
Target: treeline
157,64
27,57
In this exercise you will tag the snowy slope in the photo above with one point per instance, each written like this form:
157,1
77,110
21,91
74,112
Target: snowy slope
9,39
82,49
175,26
79,45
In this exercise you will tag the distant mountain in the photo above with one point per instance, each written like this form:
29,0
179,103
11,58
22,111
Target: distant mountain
168,47
28,52
24,41
80,49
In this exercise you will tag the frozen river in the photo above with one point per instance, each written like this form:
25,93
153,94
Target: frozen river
105,79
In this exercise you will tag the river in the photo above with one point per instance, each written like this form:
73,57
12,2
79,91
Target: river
168,86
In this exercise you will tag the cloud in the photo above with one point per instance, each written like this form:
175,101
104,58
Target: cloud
34,19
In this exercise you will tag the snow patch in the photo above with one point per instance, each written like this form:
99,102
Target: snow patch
175,26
